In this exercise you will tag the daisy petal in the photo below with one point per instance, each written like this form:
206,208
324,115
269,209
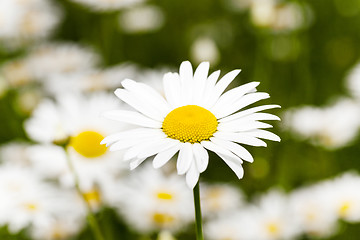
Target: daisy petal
235,166
241,103
192,176
264,135
200,77
171,83
218,149
158,147
235,148
148,94
241,138
139,104
140,147
186,77
132,118
222,85
184,159
163,157
243,126
209,88
130,134
201,157
232,95
247,112
136,162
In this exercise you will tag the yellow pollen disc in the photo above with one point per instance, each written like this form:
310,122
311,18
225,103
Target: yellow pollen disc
163,218
92,196
31,206
273,228
88,144
190,123
164,196
344,209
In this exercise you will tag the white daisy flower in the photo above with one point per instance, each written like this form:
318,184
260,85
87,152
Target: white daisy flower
234,225
195,116
141,19
75,121
205,49
108,5
273,218
152,201
15,153
313,210
219,198
89,80
45,61
279,16
28,201
22,22
332,127
56,58
345,197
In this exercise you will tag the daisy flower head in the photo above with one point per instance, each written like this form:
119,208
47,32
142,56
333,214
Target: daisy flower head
195,117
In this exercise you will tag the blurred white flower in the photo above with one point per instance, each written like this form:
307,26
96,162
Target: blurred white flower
205,49
141,19
108,5
353,81
89,80
312,210
26,201
60,228
332,127
345,197
153,77
219,198
151,200
231,225
279,16
47,60
24,21
74,120
195,117
16,73
56,58
272,217
14,153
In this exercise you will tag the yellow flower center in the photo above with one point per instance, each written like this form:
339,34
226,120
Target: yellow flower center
164,196
88,144
31,207
163,218
273,228
92,196
345,208
190,123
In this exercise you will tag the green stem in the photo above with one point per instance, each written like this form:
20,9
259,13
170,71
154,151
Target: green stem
93,223
198,218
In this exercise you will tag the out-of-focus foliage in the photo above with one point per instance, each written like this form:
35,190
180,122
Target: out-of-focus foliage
302,64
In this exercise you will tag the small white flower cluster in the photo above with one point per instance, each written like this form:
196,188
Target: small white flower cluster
313,211
150,200
24,21
27,200
334,126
